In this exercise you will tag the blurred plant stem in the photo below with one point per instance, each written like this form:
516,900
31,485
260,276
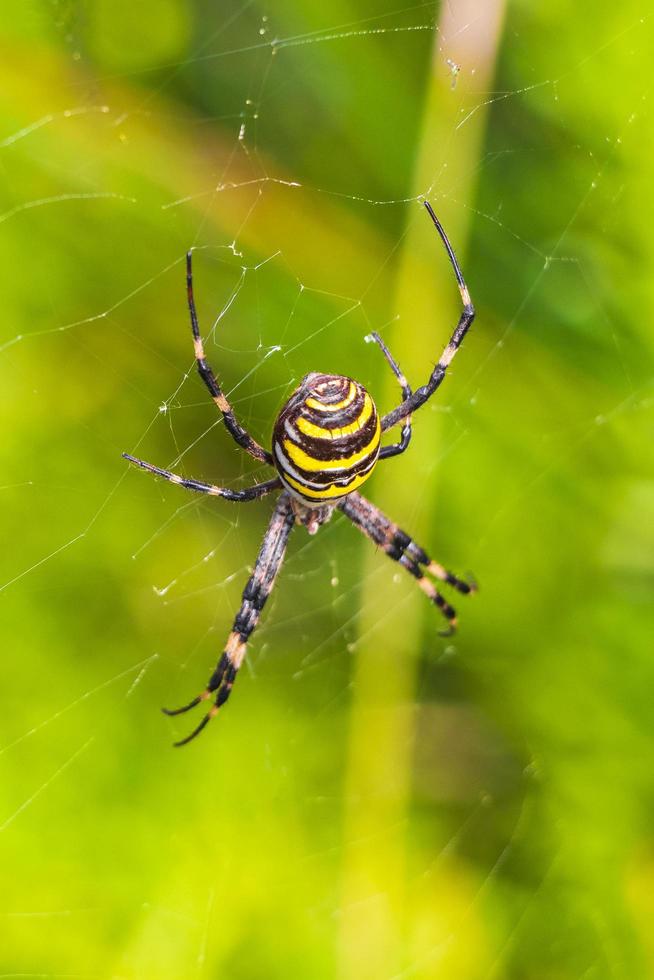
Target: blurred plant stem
376,903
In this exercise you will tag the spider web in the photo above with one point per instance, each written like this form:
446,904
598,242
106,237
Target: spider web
122,589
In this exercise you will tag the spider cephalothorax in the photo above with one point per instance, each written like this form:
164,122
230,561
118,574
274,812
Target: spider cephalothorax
326,443
326,439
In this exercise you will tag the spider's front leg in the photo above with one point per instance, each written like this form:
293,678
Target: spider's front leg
255,594
397,448
401,548
240,435
422,394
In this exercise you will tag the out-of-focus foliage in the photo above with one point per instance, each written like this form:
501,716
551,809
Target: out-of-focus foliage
515,839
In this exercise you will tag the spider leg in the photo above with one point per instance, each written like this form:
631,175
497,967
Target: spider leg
268,563
250,493
233,426
405,438
402,549
420,395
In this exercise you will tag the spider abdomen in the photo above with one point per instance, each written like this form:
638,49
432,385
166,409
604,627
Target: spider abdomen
326,438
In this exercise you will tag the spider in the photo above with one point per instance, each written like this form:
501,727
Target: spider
326,443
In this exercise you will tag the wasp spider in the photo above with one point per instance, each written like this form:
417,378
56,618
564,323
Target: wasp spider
326,443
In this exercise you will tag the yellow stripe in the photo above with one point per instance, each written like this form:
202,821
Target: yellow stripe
317,432
349,398
312,465
331,491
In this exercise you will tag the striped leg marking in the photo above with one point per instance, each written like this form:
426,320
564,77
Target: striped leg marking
255,594
233,426
402,549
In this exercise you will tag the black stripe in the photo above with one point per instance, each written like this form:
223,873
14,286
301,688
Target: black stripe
328,450
335,387
296,408
329,420
325,478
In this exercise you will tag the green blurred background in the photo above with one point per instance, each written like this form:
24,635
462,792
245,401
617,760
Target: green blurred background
376,801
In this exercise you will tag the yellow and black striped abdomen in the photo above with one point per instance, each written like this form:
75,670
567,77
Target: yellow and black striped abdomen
326,438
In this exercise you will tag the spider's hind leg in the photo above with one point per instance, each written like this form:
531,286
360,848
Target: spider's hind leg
404,550
403,544
222,681
255,594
